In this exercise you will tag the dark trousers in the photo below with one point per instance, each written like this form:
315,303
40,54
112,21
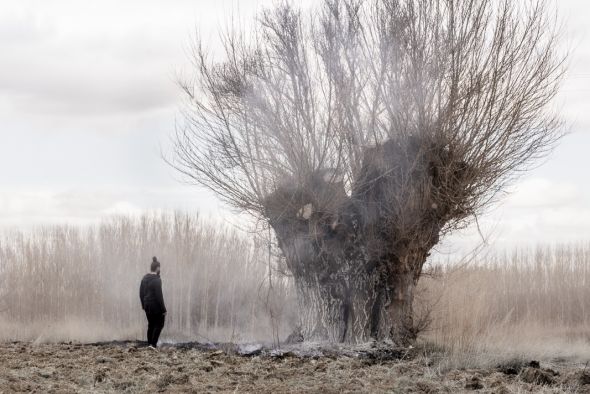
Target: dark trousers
155,325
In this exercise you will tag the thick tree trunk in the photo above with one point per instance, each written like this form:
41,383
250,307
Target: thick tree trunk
393,312
399,310
362,309
349,298
343,294
356,257
335,305
321,312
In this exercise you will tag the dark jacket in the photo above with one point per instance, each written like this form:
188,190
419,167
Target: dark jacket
150,294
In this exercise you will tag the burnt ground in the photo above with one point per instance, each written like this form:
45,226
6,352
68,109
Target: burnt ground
131,367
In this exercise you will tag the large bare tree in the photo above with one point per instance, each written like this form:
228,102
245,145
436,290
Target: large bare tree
364,131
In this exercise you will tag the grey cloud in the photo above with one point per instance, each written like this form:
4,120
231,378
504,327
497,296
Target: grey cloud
29,207
538,193
22,28
87,92
54,69
81,84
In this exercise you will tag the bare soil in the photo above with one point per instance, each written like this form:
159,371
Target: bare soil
131,367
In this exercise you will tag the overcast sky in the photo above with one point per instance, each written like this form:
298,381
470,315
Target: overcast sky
88,99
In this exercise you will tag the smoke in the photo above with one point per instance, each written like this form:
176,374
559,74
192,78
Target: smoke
82,284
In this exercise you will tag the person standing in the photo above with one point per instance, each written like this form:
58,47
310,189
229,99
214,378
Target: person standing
152,302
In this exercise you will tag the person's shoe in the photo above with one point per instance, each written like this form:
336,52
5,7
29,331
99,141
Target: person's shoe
153,348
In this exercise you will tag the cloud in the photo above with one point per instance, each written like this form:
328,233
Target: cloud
26,208
82,84
87,95
538,193
51,64
123,208
83,58
540,210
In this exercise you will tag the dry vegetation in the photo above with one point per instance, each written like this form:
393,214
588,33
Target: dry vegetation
128,368
64,283
80,285
528,302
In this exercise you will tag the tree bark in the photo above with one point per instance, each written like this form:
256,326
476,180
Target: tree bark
392,310
353,306
337,309
356,258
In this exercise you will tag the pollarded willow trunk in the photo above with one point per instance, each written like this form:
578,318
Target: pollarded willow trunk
336,310
393,315
343,294
399,322
335,290
354,302
356,257
322,310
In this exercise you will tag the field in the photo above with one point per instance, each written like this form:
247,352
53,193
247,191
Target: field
131,368
63,289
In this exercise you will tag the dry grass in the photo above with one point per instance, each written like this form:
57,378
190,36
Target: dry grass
132,369
66,283
530,302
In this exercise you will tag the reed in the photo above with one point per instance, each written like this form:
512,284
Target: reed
528,301
67,283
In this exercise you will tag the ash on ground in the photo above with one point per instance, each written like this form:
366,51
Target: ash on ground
196,367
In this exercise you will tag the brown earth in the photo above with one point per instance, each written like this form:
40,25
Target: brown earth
129,367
